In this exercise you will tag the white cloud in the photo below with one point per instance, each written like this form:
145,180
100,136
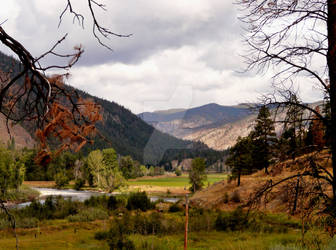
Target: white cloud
178,49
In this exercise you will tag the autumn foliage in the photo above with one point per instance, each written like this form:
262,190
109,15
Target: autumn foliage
71,123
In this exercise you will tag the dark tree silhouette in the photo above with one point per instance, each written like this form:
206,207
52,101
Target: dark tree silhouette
297,39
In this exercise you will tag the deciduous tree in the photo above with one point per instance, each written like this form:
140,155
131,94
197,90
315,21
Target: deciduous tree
197,174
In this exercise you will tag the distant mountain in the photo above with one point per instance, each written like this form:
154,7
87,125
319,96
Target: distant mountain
190,123
214,125
123,130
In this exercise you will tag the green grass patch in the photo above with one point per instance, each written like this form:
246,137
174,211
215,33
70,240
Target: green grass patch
173,181
24,193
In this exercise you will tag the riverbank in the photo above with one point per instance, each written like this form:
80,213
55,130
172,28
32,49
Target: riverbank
24,194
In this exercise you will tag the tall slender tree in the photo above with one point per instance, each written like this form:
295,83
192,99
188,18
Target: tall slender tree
264,138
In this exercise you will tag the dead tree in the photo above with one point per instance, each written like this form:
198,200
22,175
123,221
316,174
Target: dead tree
44,102
296,39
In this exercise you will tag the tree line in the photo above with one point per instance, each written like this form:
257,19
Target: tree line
262,146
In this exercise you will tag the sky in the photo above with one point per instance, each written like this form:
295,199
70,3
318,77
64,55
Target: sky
181,54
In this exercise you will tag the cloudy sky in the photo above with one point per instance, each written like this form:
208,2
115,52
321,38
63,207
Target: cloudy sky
182,53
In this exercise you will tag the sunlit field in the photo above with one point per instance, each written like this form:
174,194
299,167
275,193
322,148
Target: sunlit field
173,181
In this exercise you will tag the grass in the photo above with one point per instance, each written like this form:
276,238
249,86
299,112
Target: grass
172,181
59,235
229,241
65,236
24,193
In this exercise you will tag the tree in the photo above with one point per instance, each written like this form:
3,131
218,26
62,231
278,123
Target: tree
126,165
104,167
53,110
297,39
197,174
240,157
95,164
30,95
12,171
263,137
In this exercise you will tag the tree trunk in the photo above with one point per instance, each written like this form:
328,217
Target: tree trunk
331,61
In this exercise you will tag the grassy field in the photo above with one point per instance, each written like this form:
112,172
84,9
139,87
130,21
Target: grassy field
168,184
172,181
64,235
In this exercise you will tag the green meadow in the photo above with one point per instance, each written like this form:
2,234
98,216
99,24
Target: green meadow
173,181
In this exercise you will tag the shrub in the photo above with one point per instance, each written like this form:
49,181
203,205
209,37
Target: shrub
235,196
225,198
178,172
79,184
139,200
236,220
175,208
28,222
61,180
89,214
112,203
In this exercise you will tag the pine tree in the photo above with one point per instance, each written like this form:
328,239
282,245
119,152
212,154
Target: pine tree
264,138
240,158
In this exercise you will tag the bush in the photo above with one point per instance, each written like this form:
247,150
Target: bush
236,220
174,208
117,236
139,200
112,203
28,222
89,214
235,196
61,180
178,172
225,198
79,184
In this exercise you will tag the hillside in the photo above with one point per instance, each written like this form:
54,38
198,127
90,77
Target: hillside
184,123
121,129
21,137
220,195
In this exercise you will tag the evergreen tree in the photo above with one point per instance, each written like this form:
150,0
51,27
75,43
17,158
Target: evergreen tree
197,174
240,158
264,138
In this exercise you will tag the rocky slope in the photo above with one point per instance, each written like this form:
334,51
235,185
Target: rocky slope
21,137
198,124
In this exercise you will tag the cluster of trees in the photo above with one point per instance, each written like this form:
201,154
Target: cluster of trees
12,170
262,146
102,168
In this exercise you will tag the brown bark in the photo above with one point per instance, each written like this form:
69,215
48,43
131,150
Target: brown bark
331,60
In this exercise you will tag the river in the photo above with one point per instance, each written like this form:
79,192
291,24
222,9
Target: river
80,195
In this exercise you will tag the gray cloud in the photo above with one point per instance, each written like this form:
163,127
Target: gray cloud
182,53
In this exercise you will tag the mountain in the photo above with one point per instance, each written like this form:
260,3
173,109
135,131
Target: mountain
19,135
123,130
201,123
214,125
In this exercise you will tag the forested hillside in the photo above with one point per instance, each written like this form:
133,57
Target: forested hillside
122,130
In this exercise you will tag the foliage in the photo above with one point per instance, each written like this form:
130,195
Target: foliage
197,174
140,201
175,208
236,220
89,214
61,179
178,172
263,137
12,171
104,167
241,157
79,183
